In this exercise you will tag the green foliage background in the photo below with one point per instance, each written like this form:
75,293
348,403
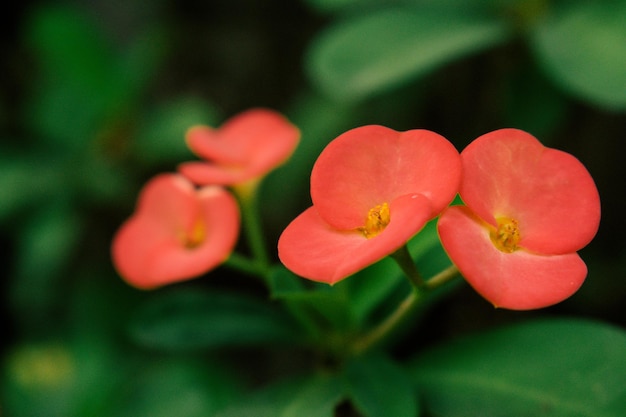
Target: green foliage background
94,100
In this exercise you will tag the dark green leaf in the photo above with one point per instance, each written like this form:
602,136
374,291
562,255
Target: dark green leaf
369,288
175,387
45,247
27,179
56,378
379,387
194,319
366,55
140,60
161,135
565,368
310,396
426,250
39,380
70,47
583,48
319,305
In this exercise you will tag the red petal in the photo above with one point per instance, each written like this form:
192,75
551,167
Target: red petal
509,173
245,147
520,280
148,250
371,165
210,144
168,200
311,248
209,174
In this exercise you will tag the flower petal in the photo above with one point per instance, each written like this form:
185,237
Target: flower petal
246,146
371,165
149,249
210,144
520,280
210,174
311,248
511,174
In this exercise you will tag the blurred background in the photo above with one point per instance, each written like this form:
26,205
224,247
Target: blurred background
95,97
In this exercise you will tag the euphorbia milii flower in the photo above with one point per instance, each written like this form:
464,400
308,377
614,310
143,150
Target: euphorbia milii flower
244,148
177,232
529,209
372,188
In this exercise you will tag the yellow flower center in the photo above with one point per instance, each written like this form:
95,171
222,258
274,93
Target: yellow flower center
196,236
376,221
506,236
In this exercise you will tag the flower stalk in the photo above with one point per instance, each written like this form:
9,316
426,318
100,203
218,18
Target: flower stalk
405,309
405,262
253,230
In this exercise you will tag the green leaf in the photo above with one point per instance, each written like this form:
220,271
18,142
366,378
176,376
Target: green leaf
534,103
428,252
175,387
316,305
161,134
371,287
83,87
355,6
193,319
568,368
310,396
366,55
582,47
61,378
45,247
39,379
76,81
140,60
27,179
379,387
71,47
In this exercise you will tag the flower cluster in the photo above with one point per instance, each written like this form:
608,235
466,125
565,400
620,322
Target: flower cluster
372,189
186,224
527,209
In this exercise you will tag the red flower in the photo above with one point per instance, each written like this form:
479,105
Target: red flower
529,209
372,189
244,148
176,233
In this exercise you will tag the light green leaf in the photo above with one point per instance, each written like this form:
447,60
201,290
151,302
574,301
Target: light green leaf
582,47
553,368
378,387
194,319
366,55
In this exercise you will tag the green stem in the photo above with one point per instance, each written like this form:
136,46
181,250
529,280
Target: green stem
404,260
252,226
404,310
243,264
387,326
442,277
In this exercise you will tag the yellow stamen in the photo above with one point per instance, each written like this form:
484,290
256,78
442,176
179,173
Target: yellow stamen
507,235
377,219
196,236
